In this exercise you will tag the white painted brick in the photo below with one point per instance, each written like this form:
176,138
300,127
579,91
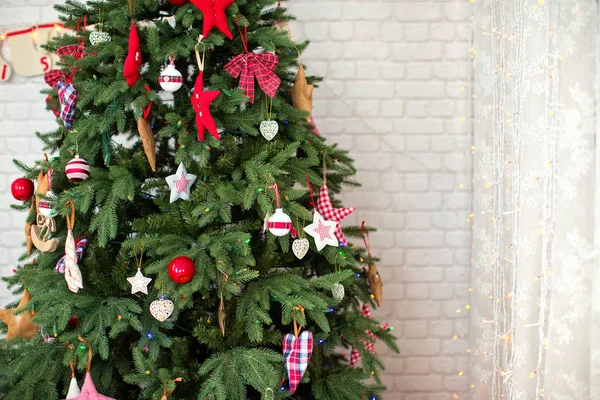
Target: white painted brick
324,51
418,239
418,108
370,89
443,365
416,292
427,274
417,144
368,107
454,383
454,347
417,365
418,12
443,182
456,274
446,219
418,71
357,50
417,51
392,71
444,144
319,31
443,108
416,32
421,90
456,51
328,10
366,30
443,32
442,292
394,142
368,70
424,201
441,329
392,108
417,383
393,221
416,183
391,32
358,10
418,221
341,70
367,143
341,30
458,11
392,182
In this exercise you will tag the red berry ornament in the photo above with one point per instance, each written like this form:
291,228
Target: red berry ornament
22,189
181,269
178,2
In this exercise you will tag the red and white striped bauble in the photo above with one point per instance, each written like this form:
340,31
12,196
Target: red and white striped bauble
280,223
77,169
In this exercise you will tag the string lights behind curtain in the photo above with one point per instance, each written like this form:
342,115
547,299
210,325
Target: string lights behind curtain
535,302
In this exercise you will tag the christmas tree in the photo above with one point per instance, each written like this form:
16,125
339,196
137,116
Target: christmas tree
184,241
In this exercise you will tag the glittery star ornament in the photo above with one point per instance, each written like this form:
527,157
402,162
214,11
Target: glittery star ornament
326,209
214,15
201,101
322,231
139,283
180,184
19,325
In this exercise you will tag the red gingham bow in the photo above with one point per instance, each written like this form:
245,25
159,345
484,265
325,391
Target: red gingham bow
250,65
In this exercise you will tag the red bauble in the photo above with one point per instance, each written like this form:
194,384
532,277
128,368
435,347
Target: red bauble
178,2
73,321
22,189
181,269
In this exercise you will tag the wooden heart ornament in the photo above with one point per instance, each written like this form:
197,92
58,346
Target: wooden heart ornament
161,309
269,129
300,247
296,355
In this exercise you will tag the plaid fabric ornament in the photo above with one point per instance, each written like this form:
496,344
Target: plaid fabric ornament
80,246
296,355
250,65
369,346
325,208
67,95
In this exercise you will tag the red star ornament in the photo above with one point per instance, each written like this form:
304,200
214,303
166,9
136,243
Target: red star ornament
214,15
325,208
201,102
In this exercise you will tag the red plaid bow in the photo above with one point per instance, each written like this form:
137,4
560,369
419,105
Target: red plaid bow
250,65
369,346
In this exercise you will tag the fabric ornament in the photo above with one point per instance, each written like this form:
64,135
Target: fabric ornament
322,231
214,15
19,325
67,95
44,226
47,207
72,271
256,64
297,349
54,76
325,208
161,309
201,100
80,246
133,61
180,184
88,390
369,346
302,96
373,278
74,390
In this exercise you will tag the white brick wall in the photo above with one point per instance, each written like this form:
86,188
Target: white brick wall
392,96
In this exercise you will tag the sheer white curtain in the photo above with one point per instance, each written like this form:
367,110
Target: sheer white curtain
535,303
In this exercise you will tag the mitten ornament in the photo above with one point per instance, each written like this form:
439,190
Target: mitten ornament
133,61
214,15
201,100
297,350
257,64
72,271
88,390
19,325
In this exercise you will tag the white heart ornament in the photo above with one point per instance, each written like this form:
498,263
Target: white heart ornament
300,247
338,291
269,129
161,309
99,37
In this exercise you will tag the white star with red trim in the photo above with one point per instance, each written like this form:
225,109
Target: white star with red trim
322,231
326,209
180,184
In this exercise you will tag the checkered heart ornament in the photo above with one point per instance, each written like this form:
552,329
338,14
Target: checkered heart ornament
297,349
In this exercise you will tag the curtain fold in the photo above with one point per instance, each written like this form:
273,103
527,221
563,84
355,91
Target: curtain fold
535,293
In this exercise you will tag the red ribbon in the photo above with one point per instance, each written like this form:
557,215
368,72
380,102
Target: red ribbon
276,189
149,107
280,225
